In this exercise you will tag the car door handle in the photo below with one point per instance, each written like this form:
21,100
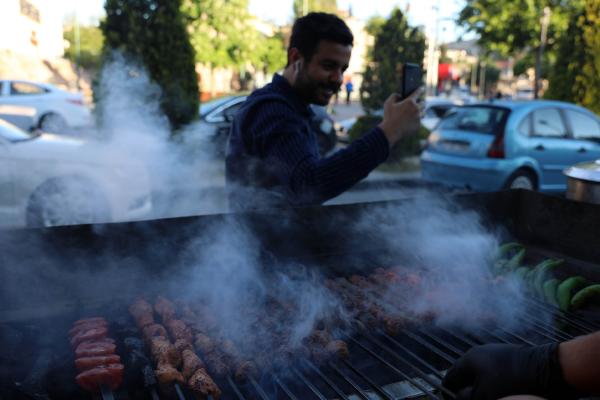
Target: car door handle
539,147
582,150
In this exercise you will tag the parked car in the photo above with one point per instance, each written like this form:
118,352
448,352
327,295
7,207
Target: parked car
50,180
435,109
509,144
22,116
217,115
524,94
55,109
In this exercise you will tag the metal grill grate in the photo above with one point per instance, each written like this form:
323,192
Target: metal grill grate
408,365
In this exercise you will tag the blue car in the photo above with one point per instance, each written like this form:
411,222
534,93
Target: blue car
510,144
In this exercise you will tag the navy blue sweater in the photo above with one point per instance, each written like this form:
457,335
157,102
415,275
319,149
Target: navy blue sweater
273,158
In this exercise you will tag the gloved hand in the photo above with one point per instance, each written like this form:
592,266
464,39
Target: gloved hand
492,371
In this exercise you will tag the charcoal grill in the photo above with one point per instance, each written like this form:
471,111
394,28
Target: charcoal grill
408,365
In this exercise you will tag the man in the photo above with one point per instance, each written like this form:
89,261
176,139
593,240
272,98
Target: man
553,371
349,89
273,159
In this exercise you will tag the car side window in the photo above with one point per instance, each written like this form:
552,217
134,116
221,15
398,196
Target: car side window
525,126
584,126
23,88
548,123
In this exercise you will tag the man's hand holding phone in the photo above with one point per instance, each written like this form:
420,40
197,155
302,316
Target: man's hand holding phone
401,119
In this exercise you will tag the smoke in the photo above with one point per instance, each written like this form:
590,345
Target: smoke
448,250
184,178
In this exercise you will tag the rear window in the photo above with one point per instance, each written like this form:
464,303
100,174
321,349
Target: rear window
475,119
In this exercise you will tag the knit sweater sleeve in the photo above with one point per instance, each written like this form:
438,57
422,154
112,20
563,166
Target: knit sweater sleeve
283,139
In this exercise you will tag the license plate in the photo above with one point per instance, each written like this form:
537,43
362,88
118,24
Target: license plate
454,146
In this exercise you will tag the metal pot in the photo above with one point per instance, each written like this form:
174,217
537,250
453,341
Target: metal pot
583,182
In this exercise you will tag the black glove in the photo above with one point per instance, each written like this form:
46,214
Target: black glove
496,370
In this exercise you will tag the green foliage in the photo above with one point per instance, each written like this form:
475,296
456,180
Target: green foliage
273,55
528,61
220,31
405,147
395,43
575,77
507,27
300,6
90,45
222,35
571,53
362,125
153,32
589,83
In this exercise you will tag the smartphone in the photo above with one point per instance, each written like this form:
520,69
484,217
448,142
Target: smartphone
412,79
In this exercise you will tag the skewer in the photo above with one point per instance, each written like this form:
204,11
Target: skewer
179,391
154,394
106,393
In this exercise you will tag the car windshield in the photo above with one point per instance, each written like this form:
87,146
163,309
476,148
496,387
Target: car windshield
479,119
12,133
213,104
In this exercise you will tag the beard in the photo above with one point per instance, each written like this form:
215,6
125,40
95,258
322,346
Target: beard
314,91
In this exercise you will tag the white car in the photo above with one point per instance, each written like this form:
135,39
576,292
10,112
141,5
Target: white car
50,180
55,109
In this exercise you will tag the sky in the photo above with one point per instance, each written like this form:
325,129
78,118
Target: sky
420,12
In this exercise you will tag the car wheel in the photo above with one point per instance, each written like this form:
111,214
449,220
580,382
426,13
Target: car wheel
53,123
521,179
66,202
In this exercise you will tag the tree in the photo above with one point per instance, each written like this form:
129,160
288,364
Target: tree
273,56
153,32
513,27
223,36
303,7
395,43
563,74
90,45
575,76
589,83
508,27
220,31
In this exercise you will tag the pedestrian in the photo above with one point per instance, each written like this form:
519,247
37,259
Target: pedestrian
349,89
273,157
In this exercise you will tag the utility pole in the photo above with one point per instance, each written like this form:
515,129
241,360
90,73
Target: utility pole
538,58
482,80
77,49
432,62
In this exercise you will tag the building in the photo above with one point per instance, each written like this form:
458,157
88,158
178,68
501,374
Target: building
31,43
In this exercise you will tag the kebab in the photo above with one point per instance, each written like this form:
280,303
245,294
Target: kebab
170,356
221,355
95,357
368,310
319,344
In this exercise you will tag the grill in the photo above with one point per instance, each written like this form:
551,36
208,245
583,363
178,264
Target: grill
37,361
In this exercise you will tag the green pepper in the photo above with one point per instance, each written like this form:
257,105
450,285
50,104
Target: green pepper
550,287
506,248
521,273
543,269
515,261
567,288
584,296
528,280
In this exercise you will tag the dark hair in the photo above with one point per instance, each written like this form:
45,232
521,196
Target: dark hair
309,30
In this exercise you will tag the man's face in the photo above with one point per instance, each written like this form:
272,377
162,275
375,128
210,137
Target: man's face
323,76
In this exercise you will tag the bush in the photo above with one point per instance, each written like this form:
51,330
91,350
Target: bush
404,148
